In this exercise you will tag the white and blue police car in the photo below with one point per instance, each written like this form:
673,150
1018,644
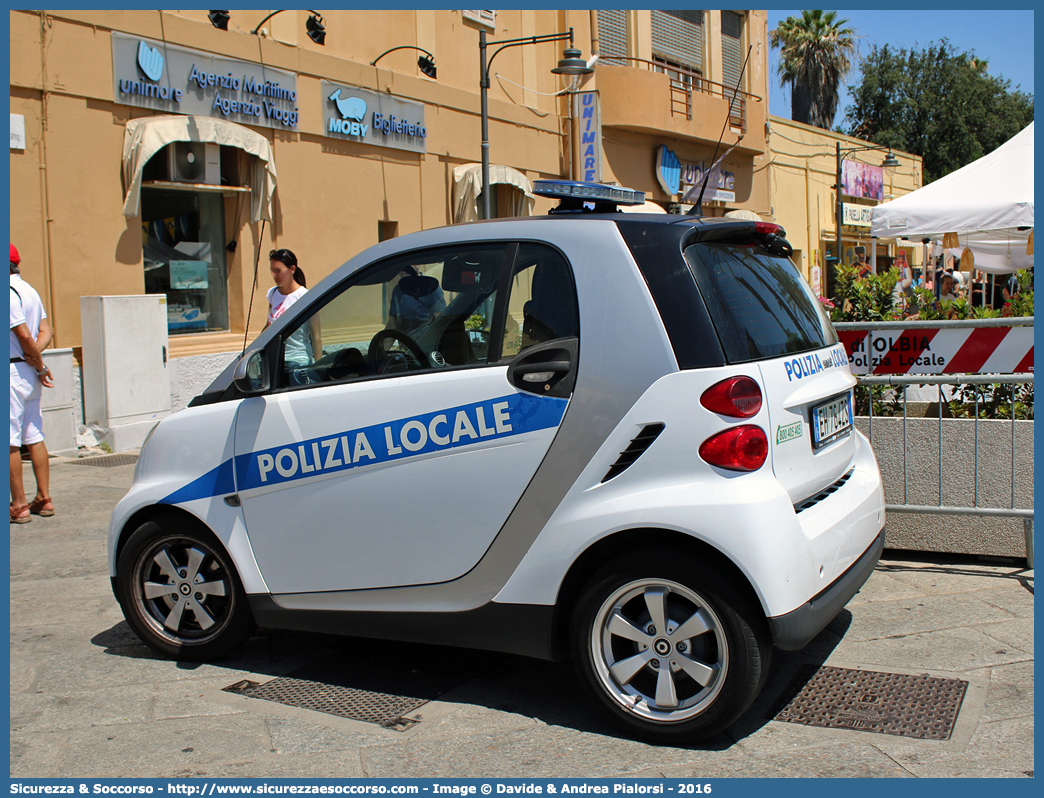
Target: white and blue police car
620,438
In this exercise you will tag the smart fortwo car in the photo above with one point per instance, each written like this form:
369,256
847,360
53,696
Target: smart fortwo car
620,438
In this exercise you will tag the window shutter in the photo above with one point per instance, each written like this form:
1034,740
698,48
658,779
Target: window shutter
612,32
678,36
731,48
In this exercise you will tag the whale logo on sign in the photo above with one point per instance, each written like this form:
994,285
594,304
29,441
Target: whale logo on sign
668,170
150,60
351,108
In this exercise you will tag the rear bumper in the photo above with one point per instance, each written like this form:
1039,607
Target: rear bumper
796,629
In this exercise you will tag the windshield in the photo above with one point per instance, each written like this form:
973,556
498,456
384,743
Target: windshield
761,306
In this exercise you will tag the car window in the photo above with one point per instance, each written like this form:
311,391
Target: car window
760,304
542,300
422,311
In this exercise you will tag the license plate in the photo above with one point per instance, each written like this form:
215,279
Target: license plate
831,420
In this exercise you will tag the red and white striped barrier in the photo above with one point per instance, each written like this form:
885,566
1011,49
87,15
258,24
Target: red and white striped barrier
924,350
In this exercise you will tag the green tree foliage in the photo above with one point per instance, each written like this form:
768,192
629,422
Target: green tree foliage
816,53
937,103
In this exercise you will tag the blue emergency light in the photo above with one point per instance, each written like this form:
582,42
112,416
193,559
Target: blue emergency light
575,196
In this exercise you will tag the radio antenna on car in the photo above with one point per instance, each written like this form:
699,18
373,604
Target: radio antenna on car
697,208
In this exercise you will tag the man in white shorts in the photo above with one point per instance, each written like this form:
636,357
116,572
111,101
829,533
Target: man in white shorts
30,335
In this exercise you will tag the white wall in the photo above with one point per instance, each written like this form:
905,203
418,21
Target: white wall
189,377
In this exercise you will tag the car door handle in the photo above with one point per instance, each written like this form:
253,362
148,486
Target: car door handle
546,369
541,372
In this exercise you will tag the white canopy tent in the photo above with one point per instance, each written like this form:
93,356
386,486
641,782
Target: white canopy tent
988,204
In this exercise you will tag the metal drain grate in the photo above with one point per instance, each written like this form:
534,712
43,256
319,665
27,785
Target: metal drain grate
376,690
106,460
923,707
346,702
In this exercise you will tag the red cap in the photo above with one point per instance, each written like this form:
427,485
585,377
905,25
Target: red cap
14,255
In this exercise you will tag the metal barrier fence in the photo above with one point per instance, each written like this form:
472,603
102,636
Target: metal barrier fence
903,382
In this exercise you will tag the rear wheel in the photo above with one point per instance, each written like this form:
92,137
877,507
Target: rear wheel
180,592
667,648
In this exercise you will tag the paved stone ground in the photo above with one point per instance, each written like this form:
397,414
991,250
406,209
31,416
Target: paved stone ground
88,700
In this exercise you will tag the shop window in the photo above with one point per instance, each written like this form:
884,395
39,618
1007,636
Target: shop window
183,240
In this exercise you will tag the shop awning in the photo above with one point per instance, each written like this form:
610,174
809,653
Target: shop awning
147,136
742,213
467,185
647,207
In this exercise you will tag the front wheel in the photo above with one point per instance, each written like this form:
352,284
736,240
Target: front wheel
667,648
180,592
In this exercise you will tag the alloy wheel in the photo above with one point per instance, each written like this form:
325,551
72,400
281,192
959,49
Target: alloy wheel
659,650
183,591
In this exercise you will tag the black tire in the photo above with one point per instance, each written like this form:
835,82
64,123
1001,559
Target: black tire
180,592
712,671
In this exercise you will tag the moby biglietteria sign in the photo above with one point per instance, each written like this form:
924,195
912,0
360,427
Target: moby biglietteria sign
370,117
165,77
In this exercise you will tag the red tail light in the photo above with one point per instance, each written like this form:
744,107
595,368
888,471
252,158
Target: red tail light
742,448
736,397
769,227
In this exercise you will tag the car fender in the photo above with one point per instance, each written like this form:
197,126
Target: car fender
186,463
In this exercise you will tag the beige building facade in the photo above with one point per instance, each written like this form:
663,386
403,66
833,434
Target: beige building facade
278,141
801,167
78,80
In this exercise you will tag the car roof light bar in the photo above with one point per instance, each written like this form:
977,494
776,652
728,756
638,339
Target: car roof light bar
575,195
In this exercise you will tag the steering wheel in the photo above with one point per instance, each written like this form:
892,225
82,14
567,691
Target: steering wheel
378,356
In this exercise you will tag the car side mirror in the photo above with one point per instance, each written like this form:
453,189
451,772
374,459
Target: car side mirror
251,374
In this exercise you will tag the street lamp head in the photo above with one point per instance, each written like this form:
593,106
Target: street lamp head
427,66
890,163
315,29
219,19
572,64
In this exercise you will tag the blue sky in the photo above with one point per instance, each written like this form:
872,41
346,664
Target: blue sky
1003,38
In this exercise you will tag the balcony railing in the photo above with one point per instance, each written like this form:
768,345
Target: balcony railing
683,82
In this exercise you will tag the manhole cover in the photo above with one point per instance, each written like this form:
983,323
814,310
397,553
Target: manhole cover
382,689
106,460
923,707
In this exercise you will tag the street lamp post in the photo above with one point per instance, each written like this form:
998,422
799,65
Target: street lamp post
890,163
571,64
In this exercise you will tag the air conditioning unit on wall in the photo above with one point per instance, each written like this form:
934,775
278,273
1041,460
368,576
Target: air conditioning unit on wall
194,162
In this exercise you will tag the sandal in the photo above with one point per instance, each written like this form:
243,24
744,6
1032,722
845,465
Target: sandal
42,507
20,516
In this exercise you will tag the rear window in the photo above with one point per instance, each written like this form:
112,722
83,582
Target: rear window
760,305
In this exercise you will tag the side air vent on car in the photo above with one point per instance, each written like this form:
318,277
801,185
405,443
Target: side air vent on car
636,449
813,500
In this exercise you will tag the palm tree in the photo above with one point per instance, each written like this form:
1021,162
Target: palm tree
816,52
